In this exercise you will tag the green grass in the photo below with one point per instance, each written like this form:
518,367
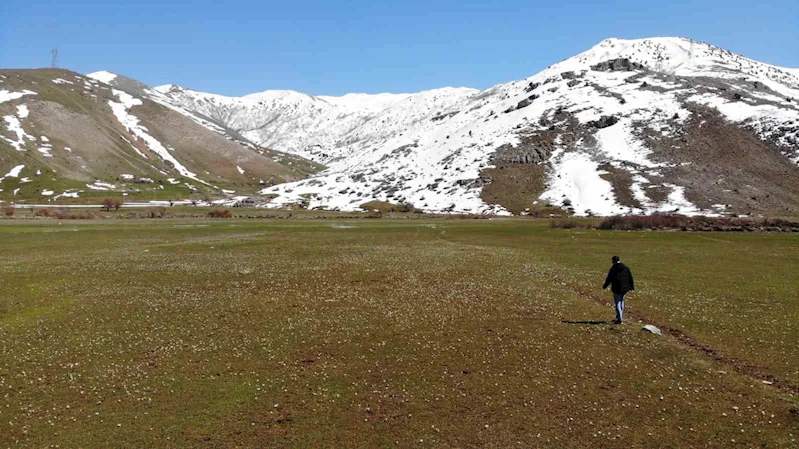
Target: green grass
383,333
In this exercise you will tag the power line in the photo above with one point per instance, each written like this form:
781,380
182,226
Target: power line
54,61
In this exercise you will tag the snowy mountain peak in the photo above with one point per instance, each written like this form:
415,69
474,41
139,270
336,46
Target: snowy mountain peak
679,57
629,126
166,88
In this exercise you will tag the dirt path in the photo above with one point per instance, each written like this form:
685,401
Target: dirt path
756,373
689,343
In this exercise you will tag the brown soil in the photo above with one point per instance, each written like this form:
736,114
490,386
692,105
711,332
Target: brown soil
514,186
622,181
721,163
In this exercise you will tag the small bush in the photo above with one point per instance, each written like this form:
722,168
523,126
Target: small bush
644,222
66,214
406,207
155,212
112,203
681,222
46,213
220,213
9,211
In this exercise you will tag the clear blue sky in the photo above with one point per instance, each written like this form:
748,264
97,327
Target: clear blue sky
335,47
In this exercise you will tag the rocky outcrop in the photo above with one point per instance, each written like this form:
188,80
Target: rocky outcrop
604,122
618,65
522,154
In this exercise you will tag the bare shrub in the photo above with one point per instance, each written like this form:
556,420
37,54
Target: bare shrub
66,214
9,211
644,222
699,223
220,213
155,212
112,203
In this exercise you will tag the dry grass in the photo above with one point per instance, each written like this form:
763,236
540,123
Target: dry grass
385,333
571,223
66,214
514,186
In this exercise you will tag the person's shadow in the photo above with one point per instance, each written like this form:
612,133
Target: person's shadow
588,322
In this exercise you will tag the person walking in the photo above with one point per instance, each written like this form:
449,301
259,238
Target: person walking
620,279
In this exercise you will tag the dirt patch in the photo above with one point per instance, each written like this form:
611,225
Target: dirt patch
514,186
622,182
721,163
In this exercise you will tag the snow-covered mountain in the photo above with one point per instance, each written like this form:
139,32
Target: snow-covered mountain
629,126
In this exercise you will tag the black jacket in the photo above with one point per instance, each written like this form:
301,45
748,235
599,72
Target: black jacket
620,278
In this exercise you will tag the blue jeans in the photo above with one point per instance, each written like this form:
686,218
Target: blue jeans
619,300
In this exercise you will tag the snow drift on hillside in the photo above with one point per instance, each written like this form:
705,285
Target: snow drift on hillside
131,122
103,76
6,95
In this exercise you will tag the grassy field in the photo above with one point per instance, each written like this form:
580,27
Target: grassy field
388,333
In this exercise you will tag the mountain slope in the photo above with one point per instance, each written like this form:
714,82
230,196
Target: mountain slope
629,126
63,134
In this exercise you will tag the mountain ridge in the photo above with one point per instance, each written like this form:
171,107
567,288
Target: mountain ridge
64,136
433,148
656,125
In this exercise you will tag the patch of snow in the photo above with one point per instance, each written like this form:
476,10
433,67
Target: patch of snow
62,81
134,147
99,185
127,176
66,194
241,170
619,143
577,179
131,122
14,173
13,125
22,111
47,193
6,95
103,76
